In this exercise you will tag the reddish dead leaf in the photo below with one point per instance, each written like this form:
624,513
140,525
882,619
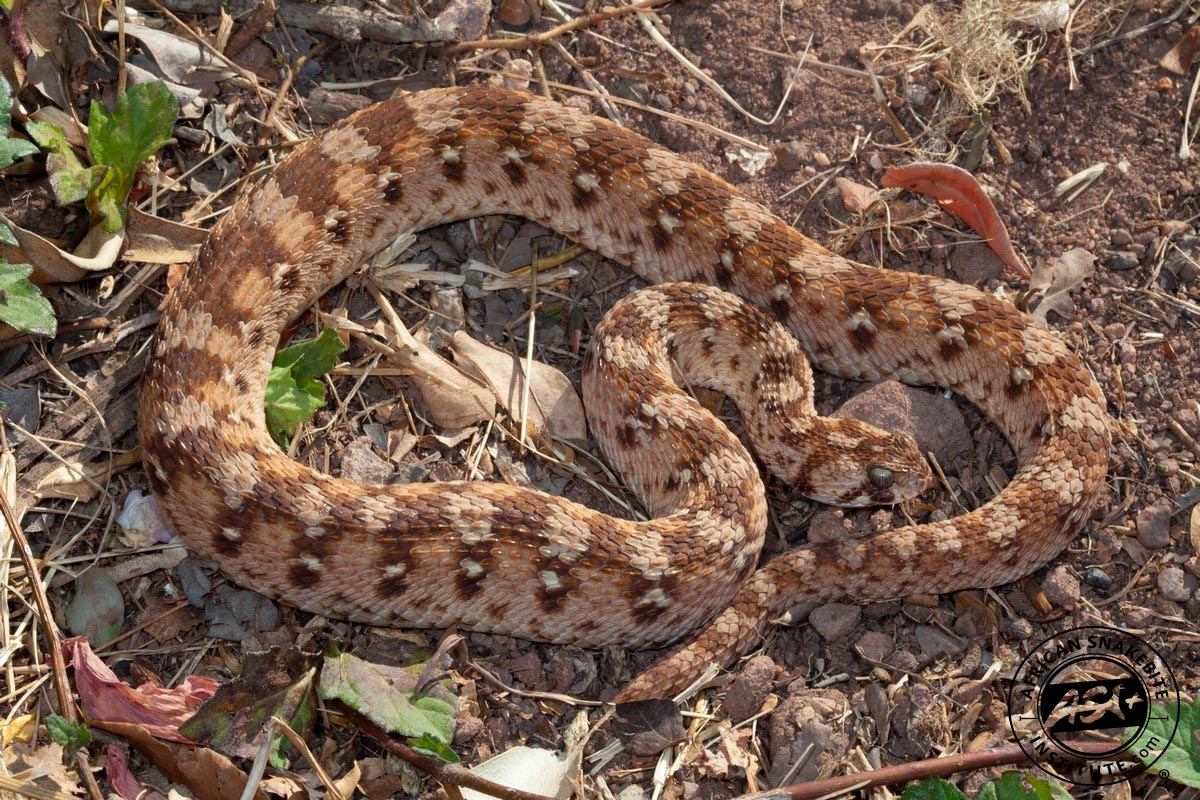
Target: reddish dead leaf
1179,58
1168,350
116,767
959,193
855,196
206,772
106,698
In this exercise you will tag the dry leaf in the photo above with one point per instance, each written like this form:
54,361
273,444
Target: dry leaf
155,710
40,767
1179,58
206,772
143,521
116,769
959,193
855,196
183,61
550,406
97,252
79,481
155,240
1055,282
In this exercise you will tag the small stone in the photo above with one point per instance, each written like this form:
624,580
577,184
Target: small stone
515,16
1121,238
1177,585
821,159
829,525
1154,525
1019,628
875,646
932,420
791,156
804,743
1114,330
1167,467
1061,587
361,465
835,621
1098,579
749,691
1122,260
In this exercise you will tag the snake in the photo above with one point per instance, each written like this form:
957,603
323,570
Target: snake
488,556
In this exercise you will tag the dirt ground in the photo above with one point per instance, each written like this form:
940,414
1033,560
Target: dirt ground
889,683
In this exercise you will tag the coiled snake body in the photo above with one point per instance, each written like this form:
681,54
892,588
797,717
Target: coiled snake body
499,558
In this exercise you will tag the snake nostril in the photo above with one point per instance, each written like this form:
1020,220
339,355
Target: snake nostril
881,478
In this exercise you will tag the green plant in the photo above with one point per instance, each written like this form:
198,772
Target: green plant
1009,786
119,141
71,735
294,389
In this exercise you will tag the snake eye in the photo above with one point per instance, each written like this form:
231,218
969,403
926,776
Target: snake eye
881,477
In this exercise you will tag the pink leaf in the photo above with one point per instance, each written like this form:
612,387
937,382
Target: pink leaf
959,193
106,698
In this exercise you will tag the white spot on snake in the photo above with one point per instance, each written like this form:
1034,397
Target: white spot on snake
860,319
232,534
314,531
311,561
589,183
726,259
450,155
550,579
512,156
669,223
1021,375
394,570
654,597
473,568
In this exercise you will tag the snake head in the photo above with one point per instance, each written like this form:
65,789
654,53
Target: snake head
853,464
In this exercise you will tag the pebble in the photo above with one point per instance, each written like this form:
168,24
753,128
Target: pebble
791,156
1019,628
1177,585
821,159
1121,237
835,621
749,691
361,465
1154,525
1061,587
1122,260
1098,579
875,646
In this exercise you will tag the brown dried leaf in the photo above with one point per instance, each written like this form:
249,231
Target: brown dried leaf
97,252
553,405
1194,529
1054,282
1179,58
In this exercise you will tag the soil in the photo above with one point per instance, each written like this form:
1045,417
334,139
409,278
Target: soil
890,682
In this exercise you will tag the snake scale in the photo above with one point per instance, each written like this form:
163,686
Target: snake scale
499,558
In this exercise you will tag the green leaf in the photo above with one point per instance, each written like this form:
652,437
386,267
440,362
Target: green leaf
932,789
1171,732
123,139
427,745
69,178
1018,786
22,304
6,235
386,695
10,149
294,391
71,735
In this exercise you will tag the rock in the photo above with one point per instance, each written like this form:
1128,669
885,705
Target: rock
801,734
975,263
791,156
934,421
1019,628
749,691
1121,238
875,646
361,465
1154,525
829,525
835,621
1098,579
1122,260
1061,587
1177,585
